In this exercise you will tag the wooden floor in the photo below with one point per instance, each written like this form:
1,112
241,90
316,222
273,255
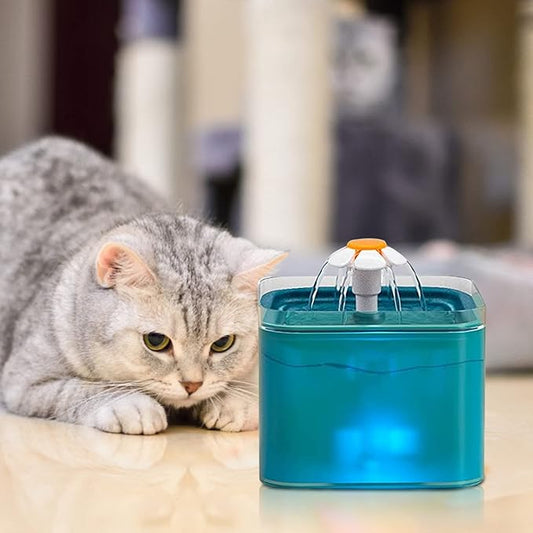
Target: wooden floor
64,478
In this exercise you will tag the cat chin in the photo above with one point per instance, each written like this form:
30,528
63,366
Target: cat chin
183,404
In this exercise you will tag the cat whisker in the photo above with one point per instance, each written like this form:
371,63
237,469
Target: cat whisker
238,394
111,390
243,391
214,399
126,382
230,385
242,382
212,402
244,398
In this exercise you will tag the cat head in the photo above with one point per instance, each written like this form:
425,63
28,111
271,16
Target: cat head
170,304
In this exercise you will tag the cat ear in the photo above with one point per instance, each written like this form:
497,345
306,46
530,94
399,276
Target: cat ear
256,266
116,264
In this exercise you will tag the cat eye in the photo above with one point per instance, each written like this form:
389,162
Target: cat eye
223,344
157,342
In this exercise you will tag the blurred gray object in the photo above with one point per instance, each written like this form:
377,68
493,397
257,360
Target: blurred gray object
365,66
218,159
504,277
149,18
218,151
395,179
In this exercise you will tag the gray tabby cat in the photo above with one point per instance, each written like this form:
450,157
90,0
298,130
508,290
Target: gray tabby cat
113,309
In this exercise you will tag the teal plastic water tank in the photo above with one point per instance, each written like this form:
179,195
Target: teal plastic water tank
371,400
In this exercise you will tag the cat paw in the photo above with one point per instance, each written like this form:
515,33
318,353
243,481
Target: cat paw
137,414
232,414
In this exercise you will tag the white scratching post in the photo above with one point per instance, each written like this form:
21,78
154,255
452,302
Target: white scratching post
147,108
286,192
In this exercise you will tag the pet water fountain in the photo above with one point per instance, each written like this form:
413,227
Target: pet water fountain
371,379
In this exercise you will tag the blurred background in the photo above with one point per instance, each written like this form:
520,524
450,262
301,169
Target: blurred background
294,122
303,123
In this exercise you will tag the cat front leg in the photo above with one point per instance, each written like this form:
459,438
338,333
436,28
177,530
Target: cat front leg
137,414
111,408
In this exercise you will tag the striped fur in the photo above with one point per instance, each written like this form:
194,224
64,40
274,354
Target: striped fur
71,346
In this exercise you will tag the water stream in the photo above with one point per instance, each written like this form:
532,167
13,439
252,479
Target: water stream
345,285
339,281
395,292
316,285
418,287
343,282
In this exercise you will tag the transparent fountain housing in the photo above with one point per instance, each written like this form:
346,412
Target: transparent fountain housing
385,399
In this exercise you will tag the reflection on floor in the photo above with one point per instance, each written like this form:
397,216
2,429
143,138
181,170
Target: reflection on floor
61,477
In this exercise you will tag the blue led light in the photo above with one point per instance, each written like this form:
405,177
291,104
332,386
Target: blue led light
353,444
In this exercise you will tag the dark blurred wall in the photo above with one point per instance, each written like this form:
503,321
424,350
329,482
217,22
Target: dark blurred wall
83,61
462,62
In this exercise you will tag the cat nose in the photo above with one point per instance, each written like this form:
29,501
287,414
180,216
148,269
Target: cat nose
191,386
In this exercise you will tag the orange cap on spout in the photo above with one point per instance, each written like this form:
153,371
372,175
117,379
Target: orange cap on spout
366,244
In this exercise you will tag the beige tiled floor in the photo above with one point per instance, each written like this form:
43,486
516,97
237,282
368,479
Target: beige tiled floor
63,478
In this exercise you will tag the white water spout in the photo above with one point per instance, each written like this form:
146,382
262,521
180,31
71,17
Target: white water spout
364,260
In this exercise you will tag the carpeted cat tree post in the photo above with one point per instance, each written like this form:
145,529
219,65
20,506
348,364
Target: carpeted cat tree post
149,89
286,196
